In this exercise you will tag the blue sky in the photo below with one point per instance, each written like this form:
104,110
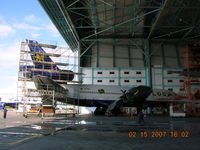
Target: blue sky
20,19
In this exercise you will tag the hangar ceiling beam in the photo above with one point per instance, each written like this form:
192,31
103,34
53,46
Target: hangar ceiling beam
73,3
188,32
159,15
140,7
171,33
134,27
88,48
122,23
193,37
105,2
93,18
67,18
58,19
93,15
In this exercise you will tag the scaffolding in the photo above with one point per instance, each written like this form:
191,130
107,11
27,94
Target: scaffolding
192,76
37,59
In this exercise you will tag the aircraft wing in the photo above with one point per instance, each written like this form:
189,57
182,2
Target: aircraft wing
47,85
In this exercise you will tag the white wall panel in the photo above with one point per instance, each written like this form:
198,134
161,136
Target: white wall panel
110,81
87,72
131,82
158,80
137,83
157,87
126,73
87,80
109,76
109,73
172,81
99,73
174,89
165,72
139,73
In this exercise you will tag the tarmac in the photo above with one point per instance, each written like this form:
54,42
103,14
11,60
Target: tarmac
14,119
98,133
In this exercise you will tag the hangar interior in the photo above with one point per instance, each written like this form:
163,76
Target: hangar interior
130,42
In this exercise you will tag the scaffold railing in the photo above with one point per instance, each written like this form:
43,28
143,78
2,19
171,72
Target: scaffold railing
56,62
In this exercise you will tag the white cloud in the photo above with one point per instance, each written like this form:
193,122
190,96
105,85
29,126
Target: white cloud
30,18
8,87
6,30
25,26
9,57
9,60
2,21
34,35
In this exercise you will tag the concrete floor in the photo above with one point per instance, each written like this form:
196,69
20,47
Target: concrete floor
102,133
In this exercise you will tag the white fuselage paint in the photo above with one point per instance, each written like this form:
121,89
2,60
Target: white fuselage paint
110,92
95,92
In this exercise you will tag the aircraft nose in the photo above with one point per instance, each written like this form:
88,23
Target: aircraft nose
140,92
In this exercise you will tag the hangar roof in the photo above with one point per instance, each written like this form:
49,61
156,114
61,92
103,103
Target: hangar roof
87,20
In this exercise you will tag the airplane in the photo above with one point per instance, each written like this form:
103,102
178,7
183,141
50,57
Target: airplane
106,98
43,64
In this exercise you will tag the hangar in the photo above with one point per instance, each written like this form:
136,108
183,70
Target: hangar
128,42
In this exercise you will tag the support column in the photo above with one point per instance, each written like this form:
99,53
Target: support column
92,76
114,63
178,56
163,56
79,75
129,57
147,63
53,102
97,47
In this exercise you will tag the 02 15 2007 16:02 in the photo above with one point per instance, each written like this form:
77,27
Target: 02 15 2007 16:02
158,134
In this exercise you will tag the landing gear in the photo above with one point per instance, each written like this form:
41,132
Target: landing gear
100,111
